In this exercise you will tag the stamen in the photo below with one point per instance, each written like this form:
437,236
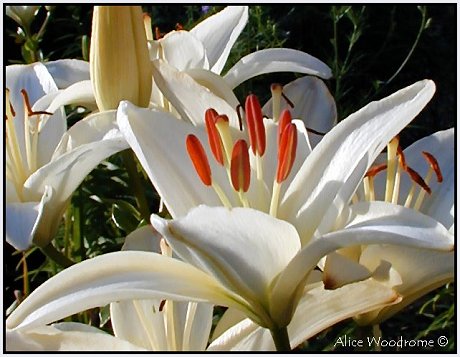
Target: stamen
392,149
286,158
286,152
30,112
285,119
369,191
417,179
402,164
433,164
199,159
313,131
255,125
223,126
240,169
215,142
277,91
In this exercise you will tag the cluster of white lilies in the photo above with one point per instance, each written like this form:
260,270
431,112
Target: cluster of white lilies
291,230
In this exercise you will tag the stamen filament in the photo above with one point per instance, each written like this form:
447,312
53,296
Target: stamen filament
392,149
274,203
366,188
395,196
189,319
222,125
421,194
410,196
222,196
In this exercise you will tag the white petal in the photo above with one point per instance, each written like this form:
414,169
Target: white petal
80,93
421,271
93,128
144,239
98,281
183,50
275,60
21,218
313,104
216,84
66,172
386,224
66,72
158,139
318,309
440,204
219,32
189,98
332,172
65,337
225,243
339,270
136,322
50,134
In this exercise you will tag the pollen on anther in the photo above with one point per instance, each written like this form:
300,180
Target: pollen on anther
433,164
286,152
240,168
199,159
418,179
255,123
285,119
374,170
215,142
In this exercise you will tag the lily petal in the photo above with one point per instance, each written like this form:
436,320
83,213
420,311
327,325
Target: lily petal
313,104
387,224
189,98
97,282
224,243
318,309
148,133
316,197
80,93
66,72
219,33
68,336
183,50
421,271
23,219
275,60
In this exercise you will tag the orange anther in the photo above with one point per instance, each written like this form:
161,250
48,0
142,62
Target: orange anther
418,179
240,168
285,119
402,158
215,142
199,159
374,170
255,123
434,164
286,152
30,112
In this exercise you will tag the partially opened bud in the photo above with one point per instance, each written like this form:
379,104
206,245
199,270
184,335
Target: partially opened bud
120,67
23,15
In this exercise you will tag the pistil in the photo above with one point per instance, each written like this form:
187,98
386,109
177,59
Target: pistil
256,130
277,91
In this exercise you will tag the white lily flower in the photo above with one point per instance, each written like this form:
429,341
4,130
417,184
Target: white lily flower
183,326
421,270
220,244
39,181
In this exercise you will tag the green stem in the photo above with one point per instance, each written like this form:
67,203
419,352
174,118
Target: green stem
135,183
281,339
56,256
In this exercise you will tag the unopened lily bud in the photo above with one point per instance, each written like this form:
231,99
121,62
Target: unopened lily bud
120,67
